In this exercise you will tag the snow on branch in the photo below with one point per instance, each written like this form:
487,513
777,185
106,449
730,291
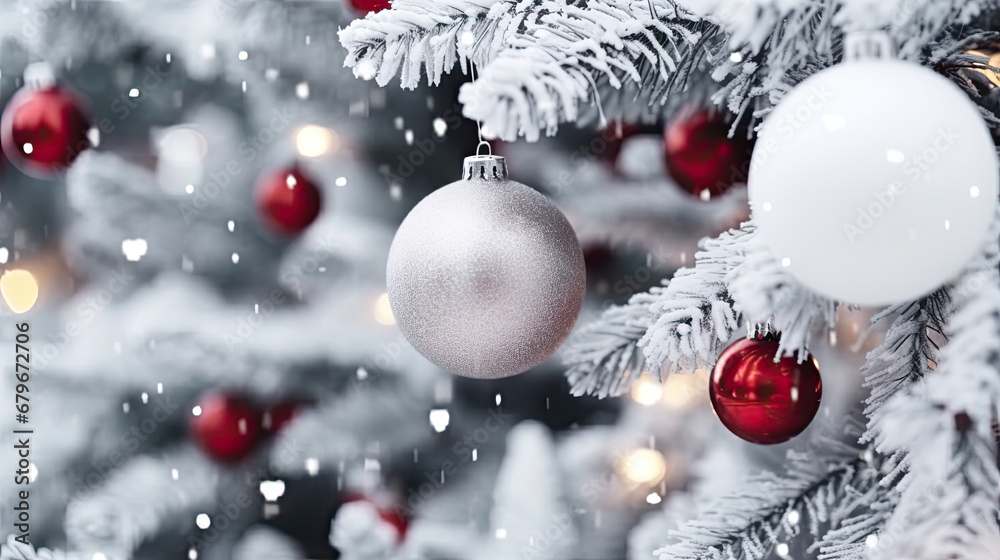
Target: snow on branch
683,324
906,354
604,359
140,500
551,70
430,36
387,410
950,501
765,293
789,513
694,313
546,62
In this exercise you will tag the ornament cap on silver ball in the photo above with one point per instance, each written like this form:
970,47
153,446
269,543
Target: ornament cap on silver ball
485,168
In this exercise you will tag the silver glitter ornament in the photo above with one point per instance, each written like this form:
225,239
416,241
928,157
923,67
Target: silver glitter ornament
485,276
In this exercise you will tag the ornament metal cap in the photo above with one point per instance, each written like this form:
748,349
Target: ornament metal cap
868,45
39,75
485,168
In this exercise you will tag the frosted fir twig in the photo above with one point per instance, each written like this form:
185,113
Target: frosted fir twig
910,351
815,495
864,511
554,67
765,292
430,36
546,62
682,325
604,359
139,501
694,313
685,324
906,353
944,423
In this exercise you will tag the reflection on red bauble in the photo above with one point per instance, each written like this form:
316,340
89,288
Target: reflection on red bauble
288,200
43,130
701,157
365,6
226,426
762,401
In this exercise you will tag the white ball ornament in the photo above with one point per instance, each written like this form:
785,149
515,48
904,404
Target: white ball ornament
874,181
485,276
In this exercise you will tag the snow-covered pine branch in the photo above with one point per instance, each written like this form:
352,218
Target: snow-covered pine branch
818,495
545,62
764,292
684,325
694,313
397,427
906,353
949,505
430,36
553,69
681,325
604,358
139,501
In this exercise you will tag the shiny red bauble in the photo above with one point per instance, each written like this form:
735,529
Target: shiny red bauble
760,400
702,158
365,6
288,200
226,427
43,130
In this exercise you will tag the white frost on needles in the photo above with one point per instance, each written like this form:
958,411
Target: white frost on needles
428,36
950,495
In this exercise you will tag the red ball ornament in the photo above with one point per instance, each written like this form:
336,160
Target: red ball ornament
366,6
226,427
701,157
390,515
288,200
43,130
762,401
279,415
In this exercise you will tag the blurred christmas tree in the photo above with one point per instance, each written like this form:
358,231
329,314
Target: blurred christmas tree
198,203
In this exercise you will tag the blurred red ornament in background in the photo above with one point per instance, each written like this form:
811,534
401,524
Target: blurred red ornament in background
42,131
702,158
288,200
366,6
225,426
390,515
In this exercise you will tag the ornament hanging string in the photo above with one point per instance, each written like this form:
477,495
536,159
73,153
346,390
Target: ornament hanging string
479,125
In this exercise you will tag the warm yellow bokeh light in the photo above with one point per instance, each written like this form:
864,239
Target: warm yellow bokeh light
643,466
994,61
686,390
19,289
646,391
315,141
383,311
